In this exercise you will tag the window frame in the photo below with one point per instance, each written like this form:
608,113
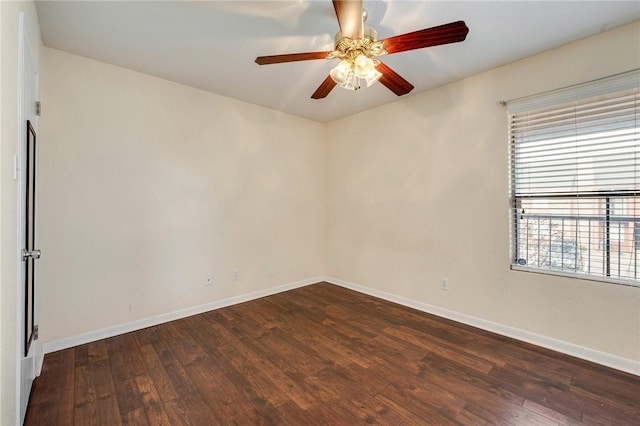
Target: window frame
608,85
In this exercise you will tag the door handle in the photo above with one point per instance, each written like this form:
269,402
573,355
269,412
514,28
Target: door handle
34,254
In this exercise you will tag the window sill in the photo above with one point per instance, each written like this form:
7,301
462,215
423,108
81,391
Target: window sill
617,281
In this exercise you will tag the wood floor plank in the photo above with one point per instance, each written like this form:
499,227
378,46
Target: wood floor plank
466,417
416,401
610,408
554,395
158,373
202,332
261,383
86,399
95,395
342,380
446,373
550,414
109,411
189,409
124,357
624,391
182,344
259,357
345,348
373,411
179,378
218,392
418,396
324,355
262,313
129,399
424,341
91,352
136,417
324,351
296,415
308,361
505,413
85,414
147,336
155,412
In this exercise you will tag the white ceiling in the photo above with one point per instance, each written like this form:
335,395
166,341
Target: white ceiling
212,45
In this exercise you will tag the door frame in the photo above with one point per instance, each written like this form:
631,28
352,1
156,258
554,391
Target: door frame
28,87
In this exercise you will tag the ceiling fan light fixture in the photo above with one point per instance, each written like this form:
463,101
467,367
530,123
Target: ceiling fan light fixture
363,66
348,73
340,73
352,82
373,77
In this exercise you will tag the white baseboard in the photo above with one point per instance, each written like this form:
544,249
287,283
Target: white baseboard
92,336
39,359
609,360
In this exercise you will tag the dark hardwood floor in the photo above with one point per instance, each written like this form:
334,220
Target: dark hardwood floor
329,356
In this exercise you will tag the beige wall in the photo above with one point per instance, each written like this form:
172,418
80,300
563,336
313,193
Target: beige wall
418,190
147,186
10,135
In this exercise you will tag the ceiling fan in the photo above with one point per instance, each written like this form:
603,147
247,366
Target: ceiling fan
357,47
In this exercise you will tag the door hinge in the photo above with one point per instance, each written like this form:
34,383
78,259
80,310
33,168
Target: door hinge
35,332
38,107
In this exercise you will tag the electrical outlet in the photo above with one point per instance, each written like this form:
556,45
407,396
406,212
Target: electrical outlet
444,283
235,275
209,281
271,270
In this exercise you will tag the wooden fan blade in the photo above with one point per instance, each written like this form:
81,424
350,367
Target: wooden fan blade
349,13
393,81
290,57
443,34
323,90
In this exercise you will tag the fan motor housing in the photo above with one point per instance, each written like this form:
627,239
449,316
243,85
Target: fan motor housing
368,33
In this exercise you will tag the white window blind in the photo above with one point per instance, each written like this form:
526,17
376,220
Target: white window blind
575,180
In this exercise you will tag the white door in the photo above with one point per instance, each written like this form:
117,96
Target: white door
28,128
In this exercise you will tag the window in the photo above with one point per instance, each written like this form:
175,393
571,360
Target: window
575,180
